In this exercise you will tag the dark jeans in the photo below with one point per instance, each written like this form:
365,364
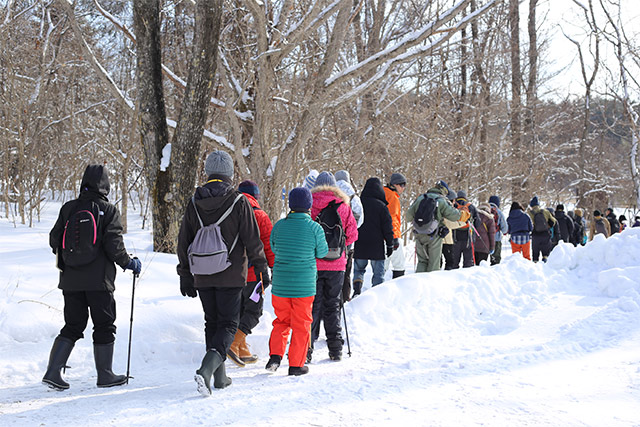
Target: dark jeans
540,244
481,256
250,311
326,308
78,304
221,313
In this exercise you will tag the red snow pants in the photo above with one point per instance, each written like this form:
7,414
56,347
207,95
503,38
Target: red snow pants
524,249
292,314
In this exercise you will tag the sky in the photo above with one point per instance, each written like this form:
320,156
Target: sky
555,344
561,17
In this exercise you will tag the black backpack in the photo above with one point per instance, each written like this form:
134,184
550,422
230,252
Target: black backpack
424,221
540,224
578,231
331,223
81,241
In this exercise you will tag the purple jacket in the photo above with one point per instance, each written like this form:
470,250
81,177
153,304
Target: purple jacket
322,195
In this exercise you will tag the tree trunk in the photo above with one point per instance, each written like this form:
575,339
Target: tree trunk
518,189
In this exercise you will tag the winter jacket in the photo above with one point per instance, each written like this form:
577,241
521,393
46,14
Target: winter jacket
444,210
376,232
451,225
393,204
593,230
565,226
265,226
520,225
502,222
486,237
579,226
614,224
322,196
356,204
99,274
636,224
212,200
296,241
551,221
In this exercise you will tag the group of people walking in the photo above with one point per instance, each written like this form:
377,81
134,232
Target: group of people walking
227,245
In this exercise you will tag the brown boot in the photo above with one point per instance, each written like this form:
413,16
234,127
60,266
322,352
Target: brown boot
234,349
243,348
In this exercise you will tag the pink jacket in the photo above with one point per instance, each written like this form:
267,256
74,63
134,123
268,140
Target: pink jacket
322,195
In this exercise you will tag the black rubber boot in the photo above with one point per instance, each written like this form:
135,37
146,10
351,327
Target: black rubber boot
58,360
103,356
357,288
210,364
397,273
297,371
220,378
274,363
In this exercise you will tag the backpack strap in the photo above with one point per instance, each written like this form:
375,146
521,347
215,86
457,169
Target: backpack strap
193,200
225,215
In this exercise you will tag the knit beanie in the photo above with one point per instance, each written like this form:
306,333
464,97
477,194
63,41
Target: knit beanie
219,163
495,200
397,178
444,189
451,195
300,199
560,207
462,195
597,213
310,180
249,187
534,202
343,175
325,178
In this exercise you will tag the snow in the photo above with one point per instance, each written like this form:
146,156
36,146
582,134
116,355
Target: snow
519,343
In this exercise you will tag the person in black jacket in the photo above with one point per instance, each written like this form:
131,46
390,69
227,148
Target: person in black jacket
220,293
88,286
565,224
375,233
613,221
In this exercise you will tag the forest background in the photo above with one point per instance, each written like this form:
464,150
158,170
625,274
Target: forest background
507,97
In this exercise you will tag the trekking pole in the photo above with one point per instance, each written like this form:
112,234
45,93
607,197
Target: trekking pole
346,331
133,291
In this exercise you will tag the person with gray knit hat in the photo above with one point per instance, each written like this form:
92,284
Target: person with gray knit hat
220,293
392,192
343,182
219,163
325,178
501,228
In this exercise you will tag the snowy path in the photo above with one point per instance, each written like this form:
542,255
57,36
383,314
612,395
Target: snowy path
514,344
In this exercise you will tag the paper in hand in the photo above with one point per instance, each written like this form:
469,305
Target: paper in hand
255,295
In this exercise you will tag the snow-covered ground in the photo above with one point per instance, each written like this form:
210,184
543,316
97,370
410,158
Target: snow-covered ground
515,344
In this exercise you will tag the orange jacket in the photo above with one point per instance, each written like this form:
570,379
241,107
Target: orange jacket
393,200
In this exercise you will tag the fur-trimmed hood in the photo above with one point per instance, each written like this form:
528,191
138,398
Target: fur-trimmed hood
335,191
485,209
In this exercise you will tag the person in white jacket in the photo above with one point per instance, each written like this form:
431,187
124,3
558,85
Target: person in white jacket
343,182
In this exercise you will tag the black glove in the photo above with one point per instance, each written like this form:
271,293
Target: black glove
396,243
264,276
187,288
389,250
135,265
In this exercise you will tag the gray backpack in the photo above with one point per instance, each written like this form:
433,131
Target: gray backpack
208,253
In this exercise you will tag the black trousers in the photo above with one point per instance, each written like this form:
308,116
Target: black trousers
250,311
326,308
221,314
540,244
346,285
447,252
78,305
462,247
